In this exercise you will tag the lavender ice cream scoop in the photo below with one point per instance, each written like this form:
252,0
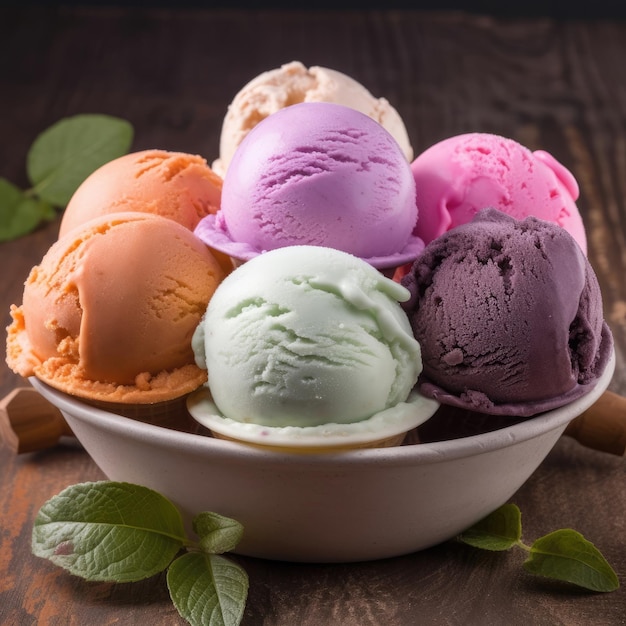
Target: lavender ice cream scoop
317,174
509,316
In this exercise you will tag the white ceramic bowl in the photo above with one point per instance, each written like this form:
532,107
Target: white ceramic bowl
340,507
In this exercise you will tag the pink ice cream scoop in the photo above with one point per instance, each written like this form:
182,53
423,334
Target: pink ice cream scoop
461,175
317,174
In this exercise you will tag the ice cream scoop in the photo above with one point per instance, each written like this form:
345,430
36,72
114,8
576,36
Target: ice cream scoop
317,174
290,84
509,316
308,346
109,312
461,175
176,185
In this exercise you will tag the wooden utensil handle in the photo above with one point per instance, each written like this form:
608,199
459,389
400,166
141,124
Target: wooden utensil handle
28,422
603,425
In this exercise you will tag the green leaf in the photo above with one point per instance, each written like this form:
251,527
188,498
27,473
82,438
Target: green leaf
64,155
218,534
109,531
501,530
20,214
207,589
566,555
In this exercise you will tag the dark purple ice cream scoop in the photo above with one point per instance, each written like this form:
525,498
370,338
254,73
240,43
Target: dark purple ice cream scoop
509,317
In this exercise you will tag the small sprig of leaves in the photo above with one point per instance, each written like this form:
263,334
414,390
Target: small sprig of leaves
120,532
563,555
58,161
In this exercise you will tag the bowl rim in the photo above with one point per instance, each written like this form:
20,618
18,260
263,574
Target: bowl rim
412,454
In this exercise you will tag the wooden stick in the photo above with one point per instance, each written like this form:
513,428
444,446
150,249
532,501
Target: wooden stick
28,422
603,425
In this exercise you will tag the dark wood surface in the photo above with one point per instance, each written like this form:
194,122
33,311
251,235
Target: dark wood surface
555,85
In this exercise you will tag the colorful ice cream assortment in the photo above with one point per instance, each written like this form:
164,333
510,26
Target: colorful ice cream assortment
109,312
509,316
306,345
317,174
292,83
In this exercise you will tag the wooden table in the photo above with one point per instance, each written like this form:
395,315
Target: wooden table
554,85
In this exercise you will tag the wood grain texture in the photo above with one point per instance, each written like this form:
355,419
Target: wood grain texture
555,85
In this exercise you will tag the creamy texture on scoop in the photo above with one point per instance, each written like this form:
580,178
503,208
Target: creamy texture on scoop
461,175
509,316
176,185
305,335
109,312
317,174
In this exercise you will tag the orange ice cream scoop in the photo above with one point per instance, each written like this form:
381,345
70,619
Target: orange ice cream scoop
109,312
176,185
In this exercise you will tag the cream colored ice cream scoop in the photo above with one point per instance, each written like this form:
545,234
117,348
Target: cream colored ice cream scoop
292,83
